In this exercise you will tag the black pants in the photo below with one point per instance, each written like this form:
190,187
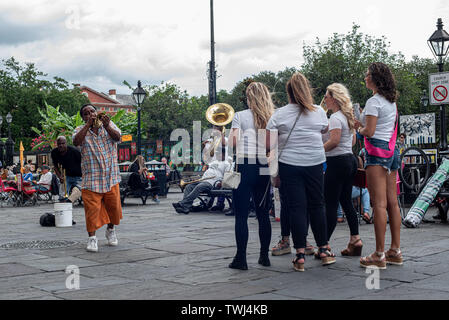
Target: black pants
253,185
303,192
338,180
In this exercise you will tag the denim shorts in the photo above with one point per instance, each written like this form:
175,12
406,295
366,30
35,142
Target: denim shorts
391,164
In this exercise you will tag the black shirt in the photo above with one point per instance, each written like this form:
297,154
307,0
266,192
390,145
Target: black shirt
71,161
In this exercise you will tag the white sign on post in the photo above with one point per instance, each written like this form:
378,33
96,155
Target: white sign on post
439,88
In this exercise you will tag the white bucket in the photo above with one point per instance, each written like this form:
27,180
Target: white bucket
63,214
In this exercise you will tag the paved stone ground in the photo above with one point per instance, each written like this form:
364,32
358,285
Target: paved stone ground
163,255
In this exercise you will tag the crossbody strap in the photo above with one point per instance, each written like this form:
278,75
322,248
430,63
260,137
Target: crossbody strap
291,130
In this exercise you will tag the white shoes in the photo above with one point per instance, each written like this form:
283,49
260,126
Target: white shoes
92,244
111,236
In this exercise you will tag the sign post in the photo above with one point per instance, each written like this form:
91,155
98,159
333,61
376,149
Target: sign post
439,95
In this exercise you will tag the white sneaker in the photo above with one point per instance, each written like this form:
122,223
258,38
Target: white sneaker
92,244
111,236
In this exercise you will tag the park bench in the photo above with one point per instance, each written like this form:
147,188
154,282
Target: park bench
127,191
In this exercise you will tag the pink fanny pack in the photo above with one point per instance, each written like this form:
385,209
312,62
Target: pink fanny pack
382,153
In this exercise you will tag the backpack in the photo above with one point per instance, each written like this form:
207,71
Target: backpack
54,185
47,220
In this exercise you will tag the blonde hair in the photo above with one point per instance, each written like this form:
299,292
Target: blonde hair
343,99
140,161
300,92
260,103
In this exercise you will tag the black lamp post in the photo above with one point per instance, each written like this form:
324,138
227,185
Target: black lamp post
2,144
424,101
9,142
139,95
439,44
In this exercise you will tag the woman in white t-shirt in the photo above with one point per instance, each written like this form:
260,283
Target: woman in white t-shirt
299,126
379,126
341,165
251,162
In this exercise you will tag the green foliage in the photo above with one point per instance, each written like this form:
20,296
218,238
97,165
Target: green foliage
167,108
23,92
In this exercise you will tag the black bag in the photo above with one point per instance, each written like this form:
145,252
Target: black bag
47,220
54,185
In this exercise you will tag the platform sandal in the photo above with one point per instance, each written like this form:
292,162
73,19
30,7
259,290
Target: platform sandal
394,256
329,257
369,261
353,250
299,266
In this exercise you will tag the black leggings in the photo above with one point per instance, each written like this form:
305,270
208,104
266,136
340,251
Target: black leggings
253,185
303,193
338,180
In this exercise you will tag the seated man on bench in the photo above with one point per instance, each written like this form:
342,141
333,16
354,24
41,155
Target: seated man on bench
211,176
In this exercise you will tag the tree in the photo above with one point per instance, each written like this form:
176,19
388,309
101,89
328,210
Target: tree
55,123
167,108
345,59
23,91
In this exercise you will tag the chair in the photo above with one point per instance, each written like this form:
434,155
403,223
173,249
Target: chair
26,192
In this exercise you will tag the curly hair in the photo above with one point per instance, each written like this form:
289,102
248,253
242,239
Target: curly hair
383,79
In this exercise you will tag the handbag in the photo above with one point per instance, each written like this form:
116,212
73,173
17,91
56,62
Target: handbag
231,180
276,180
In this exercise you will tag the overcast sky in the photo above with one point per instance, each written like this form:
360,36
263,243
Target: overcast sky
101,43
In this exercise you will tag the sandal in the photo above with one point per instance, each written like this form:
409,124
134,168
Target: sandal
394,256
317,254
310,250
297,265
353,250
329,257
367,218
369,261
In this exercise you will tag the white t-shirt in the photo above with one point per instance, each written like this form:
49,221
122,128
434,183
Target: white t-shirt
305,145
45,179
385,111
206,156
247,144
217,169
339,121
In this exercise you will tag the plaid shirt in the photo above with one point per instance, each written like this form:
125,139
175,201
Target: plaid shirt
99,164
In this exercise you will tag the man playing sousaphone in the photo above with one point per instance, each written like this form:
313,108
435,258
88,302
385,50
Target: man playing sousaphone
98,139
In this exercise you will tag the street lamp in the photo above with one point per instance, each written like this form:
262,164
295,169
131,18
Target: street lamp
9,142
139,95
424,101
439,44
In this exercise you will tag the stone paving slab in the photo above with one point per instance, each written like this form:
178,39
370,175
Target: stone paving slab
164,255
17,269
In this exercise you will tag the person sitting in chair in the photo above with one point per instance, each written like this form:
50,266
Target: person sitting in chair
44,183
211,176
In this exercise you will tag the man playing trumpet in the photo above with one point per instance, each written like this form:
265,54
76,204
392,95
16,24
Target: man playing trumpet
101,175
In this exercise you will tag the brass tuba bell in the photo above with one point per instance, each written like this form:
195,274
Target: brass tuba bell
219,114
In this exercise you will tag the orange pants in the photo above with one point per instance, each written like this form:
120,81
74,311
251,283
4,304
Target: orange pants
102,208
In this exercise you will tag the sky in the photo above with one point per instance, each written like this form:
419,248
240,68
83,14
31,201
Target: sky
101,43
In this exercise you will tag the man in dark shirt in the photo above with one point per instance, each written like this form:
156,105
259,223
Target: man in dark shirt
69,158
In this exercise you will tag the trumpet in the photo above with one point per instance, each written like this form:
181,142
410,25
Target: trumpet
97,122
182,183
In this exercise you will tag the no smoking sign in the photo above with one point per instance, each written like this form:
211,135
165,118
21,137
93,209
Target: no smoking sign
439,85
